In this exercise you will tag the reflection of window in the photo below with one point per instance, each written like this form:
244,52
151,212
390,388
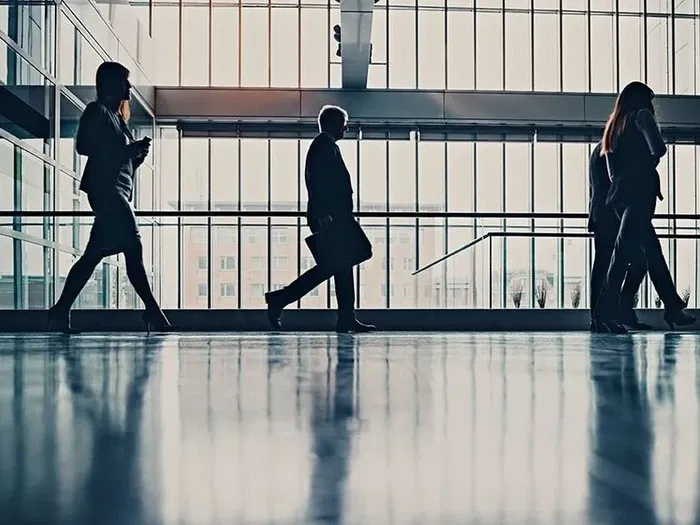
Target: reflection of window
257,290
225,234
314,292
391,263
408,263
198,234
227,289
306,263
279,236
407,291
227,263
255,236
201,263
391,290
280,263
202,290
405,238
257,263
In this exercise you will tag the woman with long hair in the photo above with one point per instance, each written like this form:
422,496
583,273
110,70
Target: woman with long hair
108,180
632,147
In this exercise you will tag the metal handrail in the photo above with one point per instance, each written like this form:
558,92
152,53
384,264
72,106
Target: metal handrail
359,214
557,235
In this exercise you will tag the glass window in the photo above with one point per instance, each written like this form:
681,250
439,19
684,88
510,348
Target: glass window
66,58
431,49
377,74
254,47
631,57
254,172
195,45
518,54
547,50
603,49
224,173
431,176
489,51
227,290
285,47
7,282
402,175
402,53
686,56
460,50
202,262
202,289
224,50
166,39
315,38
284,174
575,52
546,177
489,176
658,74
373,154
460,176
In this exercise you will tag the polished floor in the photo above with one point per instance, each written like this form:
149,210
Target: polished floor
481,428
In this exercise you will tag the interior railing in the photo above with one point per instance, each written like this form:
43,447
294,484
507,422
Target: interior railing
223,259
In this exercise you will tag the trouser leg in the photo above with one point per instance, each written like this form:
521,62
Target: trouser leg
659,272
603,243
345,293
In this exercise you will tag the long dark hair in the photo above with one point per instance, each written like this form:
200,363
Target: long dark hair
110,75
635,96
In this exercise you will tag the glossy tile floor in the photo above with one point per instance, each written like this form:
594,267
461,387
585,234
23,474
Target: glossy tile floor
377,429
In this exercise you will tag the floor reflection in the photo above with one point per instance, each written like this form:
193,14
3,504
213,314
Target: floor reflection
318,428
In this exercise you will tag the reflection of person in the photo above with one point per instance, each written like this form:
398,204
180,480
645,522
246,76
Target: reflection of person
113,156
332,438
632,146
622,440
330,199
603,223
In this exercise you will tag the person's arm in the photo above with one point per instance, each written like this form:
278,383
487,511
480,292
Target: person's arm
646,123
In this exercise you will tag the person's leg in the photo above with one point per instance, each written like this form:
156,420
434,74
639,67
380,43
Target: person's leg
345,294
636,271
603,243
628,241
302,285
659,273
136,272
77,278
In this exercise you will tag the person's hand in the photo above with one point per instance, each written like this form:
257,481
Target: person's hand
140,148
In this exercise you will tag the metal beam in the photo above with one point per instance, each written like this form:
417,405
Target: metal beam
409,107
356,33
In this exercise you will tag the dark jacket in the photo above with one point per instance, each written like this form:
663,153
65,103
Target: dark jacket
632,165
599,213
327,180
103,137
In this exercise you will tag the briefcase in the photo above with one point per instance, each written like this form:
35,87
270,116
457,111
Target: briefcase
339,244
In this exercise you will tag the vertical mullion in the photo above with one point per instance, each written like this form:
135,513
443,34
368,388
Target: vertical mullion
179,44
328,46
446,222
269,218
416,54
299,205
476,54
532,44
210,246
589,50
672,48
503,44
533,145
560,283
240,75
645,41
269,51
179,217
475,224
209,61
504,223
417,201
617,45
299,59
561,46
388,226
358,273
446,44
240,229
388,62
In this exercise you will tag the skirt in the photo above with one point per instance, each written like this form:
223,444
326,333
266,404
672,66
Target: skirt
115,229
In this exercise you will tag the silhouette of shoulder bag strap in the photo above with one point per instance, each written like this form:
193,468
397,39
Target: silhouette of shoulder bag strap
339,244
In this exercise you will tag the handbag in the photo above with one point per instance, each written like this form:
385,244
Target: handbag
339,244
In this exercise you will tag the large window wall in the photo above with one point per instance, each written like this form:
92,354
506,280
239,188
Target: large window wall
519,45
48,58
229,262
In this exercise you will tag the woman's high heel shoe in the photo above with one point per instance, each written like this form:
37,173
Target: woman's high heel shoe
59,321
678,317
155,319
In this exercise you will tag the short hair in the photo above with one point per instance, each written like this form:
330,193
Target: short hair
329,114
